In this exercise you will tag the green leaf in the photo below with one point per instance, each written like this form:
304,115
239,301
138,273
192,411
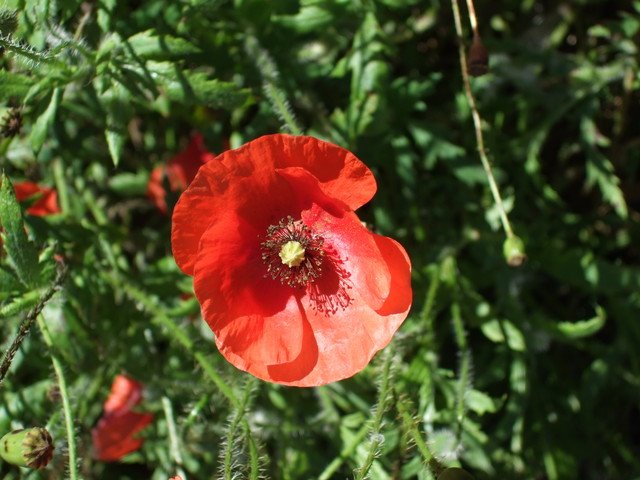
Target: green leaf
14,84
129,184
584,328
21,253
600,170
455,473
149,45
43,123
195,88
115,141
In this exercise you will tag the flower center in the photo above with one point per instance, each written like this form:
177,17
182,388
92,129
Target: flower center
292,253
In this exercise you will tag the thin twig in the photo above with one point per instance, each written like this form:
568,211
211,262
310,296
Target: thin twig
477,122
25,325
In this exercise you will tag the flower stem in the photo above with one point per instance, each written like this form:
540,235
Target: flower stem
64,394
270,84
384,394
236,418
27,322
477,121
174,441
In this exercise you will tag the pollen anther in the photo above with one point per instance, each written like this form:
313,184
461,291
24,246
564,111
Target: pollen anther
292,253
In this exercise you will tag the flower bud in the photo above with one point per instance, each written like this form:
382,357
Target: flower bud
477,58
513,251
31,447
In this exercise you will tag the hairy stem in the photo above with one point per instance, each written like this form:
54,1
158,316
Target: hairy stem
64,394
384,395
27,322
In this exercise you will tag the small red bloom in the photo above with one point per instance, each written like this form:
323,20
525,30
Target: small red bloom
295,288
113,436
179,171
47,204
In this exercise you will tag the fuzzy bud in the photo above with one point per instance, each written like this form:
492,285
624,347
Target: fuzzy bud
477,58
8,21
30,447
513,251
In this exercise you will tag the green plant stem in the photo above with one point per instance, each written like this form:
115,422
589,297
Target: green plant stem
464,373
61,185
174,442
233,427
270,84
477,123
345,453
404,408
27,322
384,394
64,394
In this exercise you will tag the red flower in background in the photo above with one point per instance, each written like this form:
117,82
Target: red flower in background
46,204
179,171
295,288
113,436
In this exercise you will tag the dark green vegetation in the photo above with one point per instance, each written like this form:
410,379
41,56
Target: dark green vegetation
526,373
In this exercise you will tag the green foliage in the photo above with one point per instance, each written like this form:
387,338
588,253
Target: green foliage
21,253
507,368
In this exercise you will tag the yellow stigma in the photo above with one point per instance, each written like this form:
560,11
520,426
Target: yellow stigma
292,253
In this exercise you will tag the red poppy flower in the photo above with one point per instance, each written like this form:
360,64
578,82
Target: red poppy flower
179,171
295,288
46,204
113,436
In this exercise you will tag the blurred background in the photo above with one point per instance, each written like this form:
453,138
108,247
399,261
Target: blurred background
528,372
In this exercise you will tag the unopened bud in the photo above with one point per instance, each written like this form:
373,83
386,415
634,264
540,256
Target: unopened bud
514,252
8,21
30,447
477,58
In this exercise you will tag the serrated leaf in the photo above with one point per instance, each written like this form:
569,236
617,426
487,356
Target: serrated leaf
149,45
584,328
195,88
20,304
21,253
14,85
40,128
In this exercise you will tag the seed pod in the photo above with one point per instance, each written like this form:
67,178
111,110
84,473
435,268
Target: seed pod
31,447
514,252
477,58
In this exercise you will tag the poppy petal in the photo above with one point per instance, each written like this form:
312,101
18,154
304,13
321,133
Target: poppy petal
47,204
340,173
247,173
113,437
125,394
252,316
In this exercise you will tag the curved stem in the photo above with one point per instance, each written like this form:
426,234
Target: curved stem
477,123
